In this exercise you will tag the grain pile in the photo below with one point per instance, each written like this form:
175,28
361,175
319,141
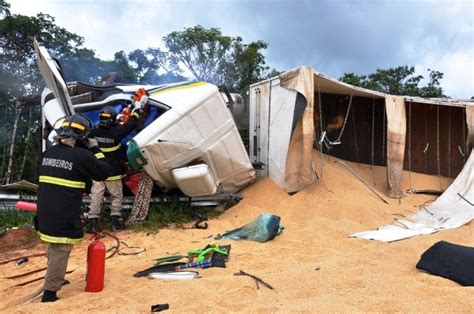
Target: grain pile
313,265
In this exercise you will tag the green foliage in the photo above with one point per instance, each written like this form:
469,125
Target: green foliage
203,51
207,53
247,66
398,81
82,65
19,76
15,218
212,57
4,8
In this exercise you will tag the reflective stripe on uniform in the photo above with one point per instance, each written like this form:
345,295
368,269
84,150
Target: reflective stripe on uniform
113,178
110,149
62,182
58,240
99,155
136,114
74,125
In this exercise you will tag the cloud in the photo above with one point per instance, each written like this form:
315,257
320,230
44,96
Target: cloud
332,36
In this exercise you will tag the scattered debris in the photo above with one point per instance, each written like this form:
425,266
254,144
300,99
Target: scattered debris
264,228
177,275
450,261
257,279
21,260
200,223
206,253
22,257
427,192
212,255
160,307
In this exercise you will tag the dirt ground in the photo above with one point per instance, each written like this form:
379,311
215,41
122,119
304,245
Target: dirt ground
17,239
313,265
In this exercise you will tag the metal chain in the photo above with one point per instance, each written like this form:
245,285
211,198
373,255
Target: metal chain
464,140
449,142
338,140
321,147
426,139
437,147
409,144
372,141
383,134
355,135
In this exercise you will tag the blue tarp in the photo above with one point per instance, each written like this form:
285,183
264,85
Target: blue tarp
265,227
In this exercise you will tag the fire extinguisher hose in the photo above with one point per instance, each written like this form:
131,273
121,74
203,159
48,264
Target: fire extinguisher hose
102,235
116,247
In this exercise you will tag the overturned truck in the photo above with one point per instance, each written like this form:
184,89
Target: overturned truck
189,140
302,109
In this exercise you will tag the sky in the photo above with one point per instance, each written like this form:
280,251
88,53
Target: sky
334,37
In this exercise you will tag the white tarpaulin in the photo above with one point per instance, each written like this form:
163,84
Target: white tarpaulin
452,209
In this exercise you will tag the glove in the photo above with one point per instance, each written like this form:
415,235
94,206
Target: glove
139,93
140,99
91,142
138,105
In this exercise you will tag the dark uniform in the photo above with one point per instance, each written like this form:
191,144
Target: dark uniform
64,171
109,138
109,135
63,174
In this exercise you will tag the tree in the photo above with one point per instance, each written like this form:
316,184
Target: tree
433,89
247,64
19,76
82,65
398,81
148,64
202,51
4,8
210,56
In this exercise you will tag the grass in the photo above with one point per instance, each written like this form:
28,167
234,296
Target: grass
159,216
162,215
15,218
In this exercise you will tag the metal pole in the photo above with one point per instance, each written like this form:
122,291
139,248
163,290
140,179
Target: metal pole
361,180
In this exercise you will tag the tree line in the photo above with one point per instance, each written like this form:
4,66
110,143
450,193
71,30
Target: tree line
206,53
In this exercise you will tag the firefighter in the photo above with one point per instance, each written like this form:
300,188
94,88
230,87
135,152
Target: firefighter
109,135
63,172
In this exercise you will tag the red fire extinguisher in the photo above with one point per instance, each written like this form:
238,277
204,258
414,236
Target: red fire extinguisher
95,266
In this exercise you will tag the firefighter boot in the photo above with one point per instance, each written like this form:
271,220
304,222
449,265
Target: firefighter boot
49,296
93,225
117,223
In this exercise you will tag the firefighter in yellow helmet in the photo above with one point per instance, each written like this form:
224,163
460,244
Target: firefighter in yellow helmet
109,135
64,170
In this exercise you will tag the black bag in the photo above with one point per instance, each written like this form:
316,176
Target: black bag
451,261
